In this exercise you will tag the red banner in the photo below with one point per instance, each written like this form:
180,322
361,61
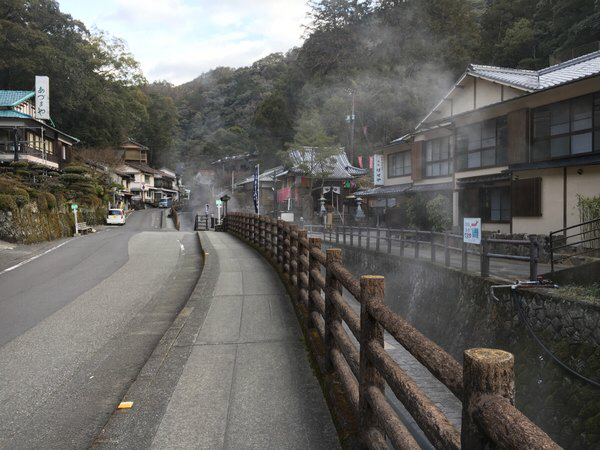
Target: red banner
284,194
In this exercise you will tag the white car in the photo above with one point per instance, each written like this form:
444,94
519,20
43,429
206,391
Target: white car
115,217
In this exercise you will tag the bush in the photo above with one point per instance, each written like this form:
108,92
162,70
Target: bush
50,200
7,203
75,169
439,213
416,213
42,202
70,178
21,192
21,200
19,165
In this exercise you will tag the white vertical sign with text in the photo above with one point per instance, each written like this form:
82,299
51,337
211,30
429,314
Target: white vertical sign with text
378,170
42,97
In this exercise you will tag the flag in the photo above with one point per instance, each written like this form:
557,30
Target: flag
255,191
370,162
360,162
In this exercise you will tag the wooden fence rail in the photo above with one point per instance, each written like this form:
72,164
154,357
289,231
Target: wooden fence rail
484,384
410,243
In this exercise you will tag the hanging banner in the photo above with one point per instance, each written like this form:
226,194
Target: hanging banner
42,97
378,170
255,190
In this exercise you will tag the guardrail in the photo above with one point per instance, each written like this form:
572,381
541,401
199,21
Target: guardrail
586,241
411,242
485,383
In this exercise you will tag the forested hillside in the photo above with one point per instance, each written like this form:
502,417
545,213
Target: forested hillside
391,58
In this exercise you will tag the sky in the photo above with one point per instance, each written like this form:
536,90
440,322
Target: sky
177,40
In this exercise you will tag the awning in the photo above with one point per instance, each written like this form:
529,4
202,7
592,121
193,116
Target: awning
554,163
384,191
483,179
432,187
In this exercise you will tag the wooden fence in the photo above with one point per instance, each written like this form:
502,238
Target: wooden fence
484,384
405,242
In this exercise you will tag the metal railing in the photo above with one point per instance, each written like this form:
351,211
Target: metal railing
484,384
28,148
409,243
587,240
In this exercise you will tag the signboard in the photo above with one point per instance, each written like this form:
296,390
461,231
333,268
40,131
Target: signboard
378,170
42,98
472,230
218,202
327,189
74,206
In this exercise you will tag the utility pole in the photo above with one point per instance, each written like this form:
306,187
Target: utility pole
16,143
352,131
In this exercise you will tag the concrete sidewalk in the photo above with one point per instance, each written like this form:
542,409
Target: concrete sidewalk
232,372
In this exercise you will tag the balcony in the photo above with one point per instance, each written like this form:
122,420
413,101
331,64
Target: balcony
28,151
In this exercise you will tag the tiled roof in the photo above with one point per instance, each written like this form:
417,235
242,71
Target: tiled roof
340,170
13,98
143,168
266,176
383,191
12,114
535,80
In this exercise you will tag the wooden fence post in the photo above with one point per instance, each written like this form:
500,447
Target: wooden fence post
402,236
368,238
280,243
312,285
331,316
485,259
351,237
432,242
286,249
446,249
389,241
465,257
534,253
485,372
359,237
378,236
416,244
294,256
371,292
337,235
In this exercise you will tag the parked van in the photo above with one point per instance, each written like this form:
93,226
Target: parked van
165,202
115,217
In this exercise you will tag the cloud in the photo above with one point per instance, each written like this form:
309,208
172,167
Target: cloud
177,40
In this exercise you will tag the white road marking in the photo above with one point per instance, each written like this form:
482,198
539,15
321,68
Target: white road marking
22,263
181,245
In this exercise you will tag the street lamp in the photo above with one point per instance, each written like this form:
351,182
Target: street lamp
359,212
322,209
225,199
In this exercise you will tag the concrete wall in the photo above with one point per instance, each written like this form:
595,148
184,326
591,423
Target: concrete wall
553,205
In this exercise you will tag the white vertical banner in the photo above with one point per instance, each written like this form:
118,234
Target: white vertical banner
378,170
42,97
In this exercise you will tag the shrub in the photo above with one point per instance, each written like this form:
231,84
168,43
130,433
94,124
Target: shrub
21,192
416,213
50,200
19,165
21,200
439,213
42,202
7,203
70,178
75,169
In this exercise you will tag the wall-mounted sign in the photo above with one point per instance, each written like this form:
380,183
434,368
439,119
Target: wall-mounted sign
74,206
42,98
378,170
472,230
327,189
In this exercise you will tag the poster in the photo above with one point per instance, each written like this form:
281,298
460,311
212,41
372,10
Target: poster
472,230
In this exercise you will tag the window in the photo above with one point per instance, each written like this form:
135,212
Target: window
482,144
437,157
567,128
399,164
527,197
497,204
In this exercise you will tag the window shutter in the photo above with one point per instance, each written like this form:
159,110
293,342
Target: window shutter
527,197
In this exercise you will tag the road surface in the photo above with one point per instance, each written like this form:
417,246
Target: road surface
78,323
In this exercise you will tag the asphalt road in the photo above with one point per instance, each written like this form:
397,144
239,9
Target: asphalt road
78,323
